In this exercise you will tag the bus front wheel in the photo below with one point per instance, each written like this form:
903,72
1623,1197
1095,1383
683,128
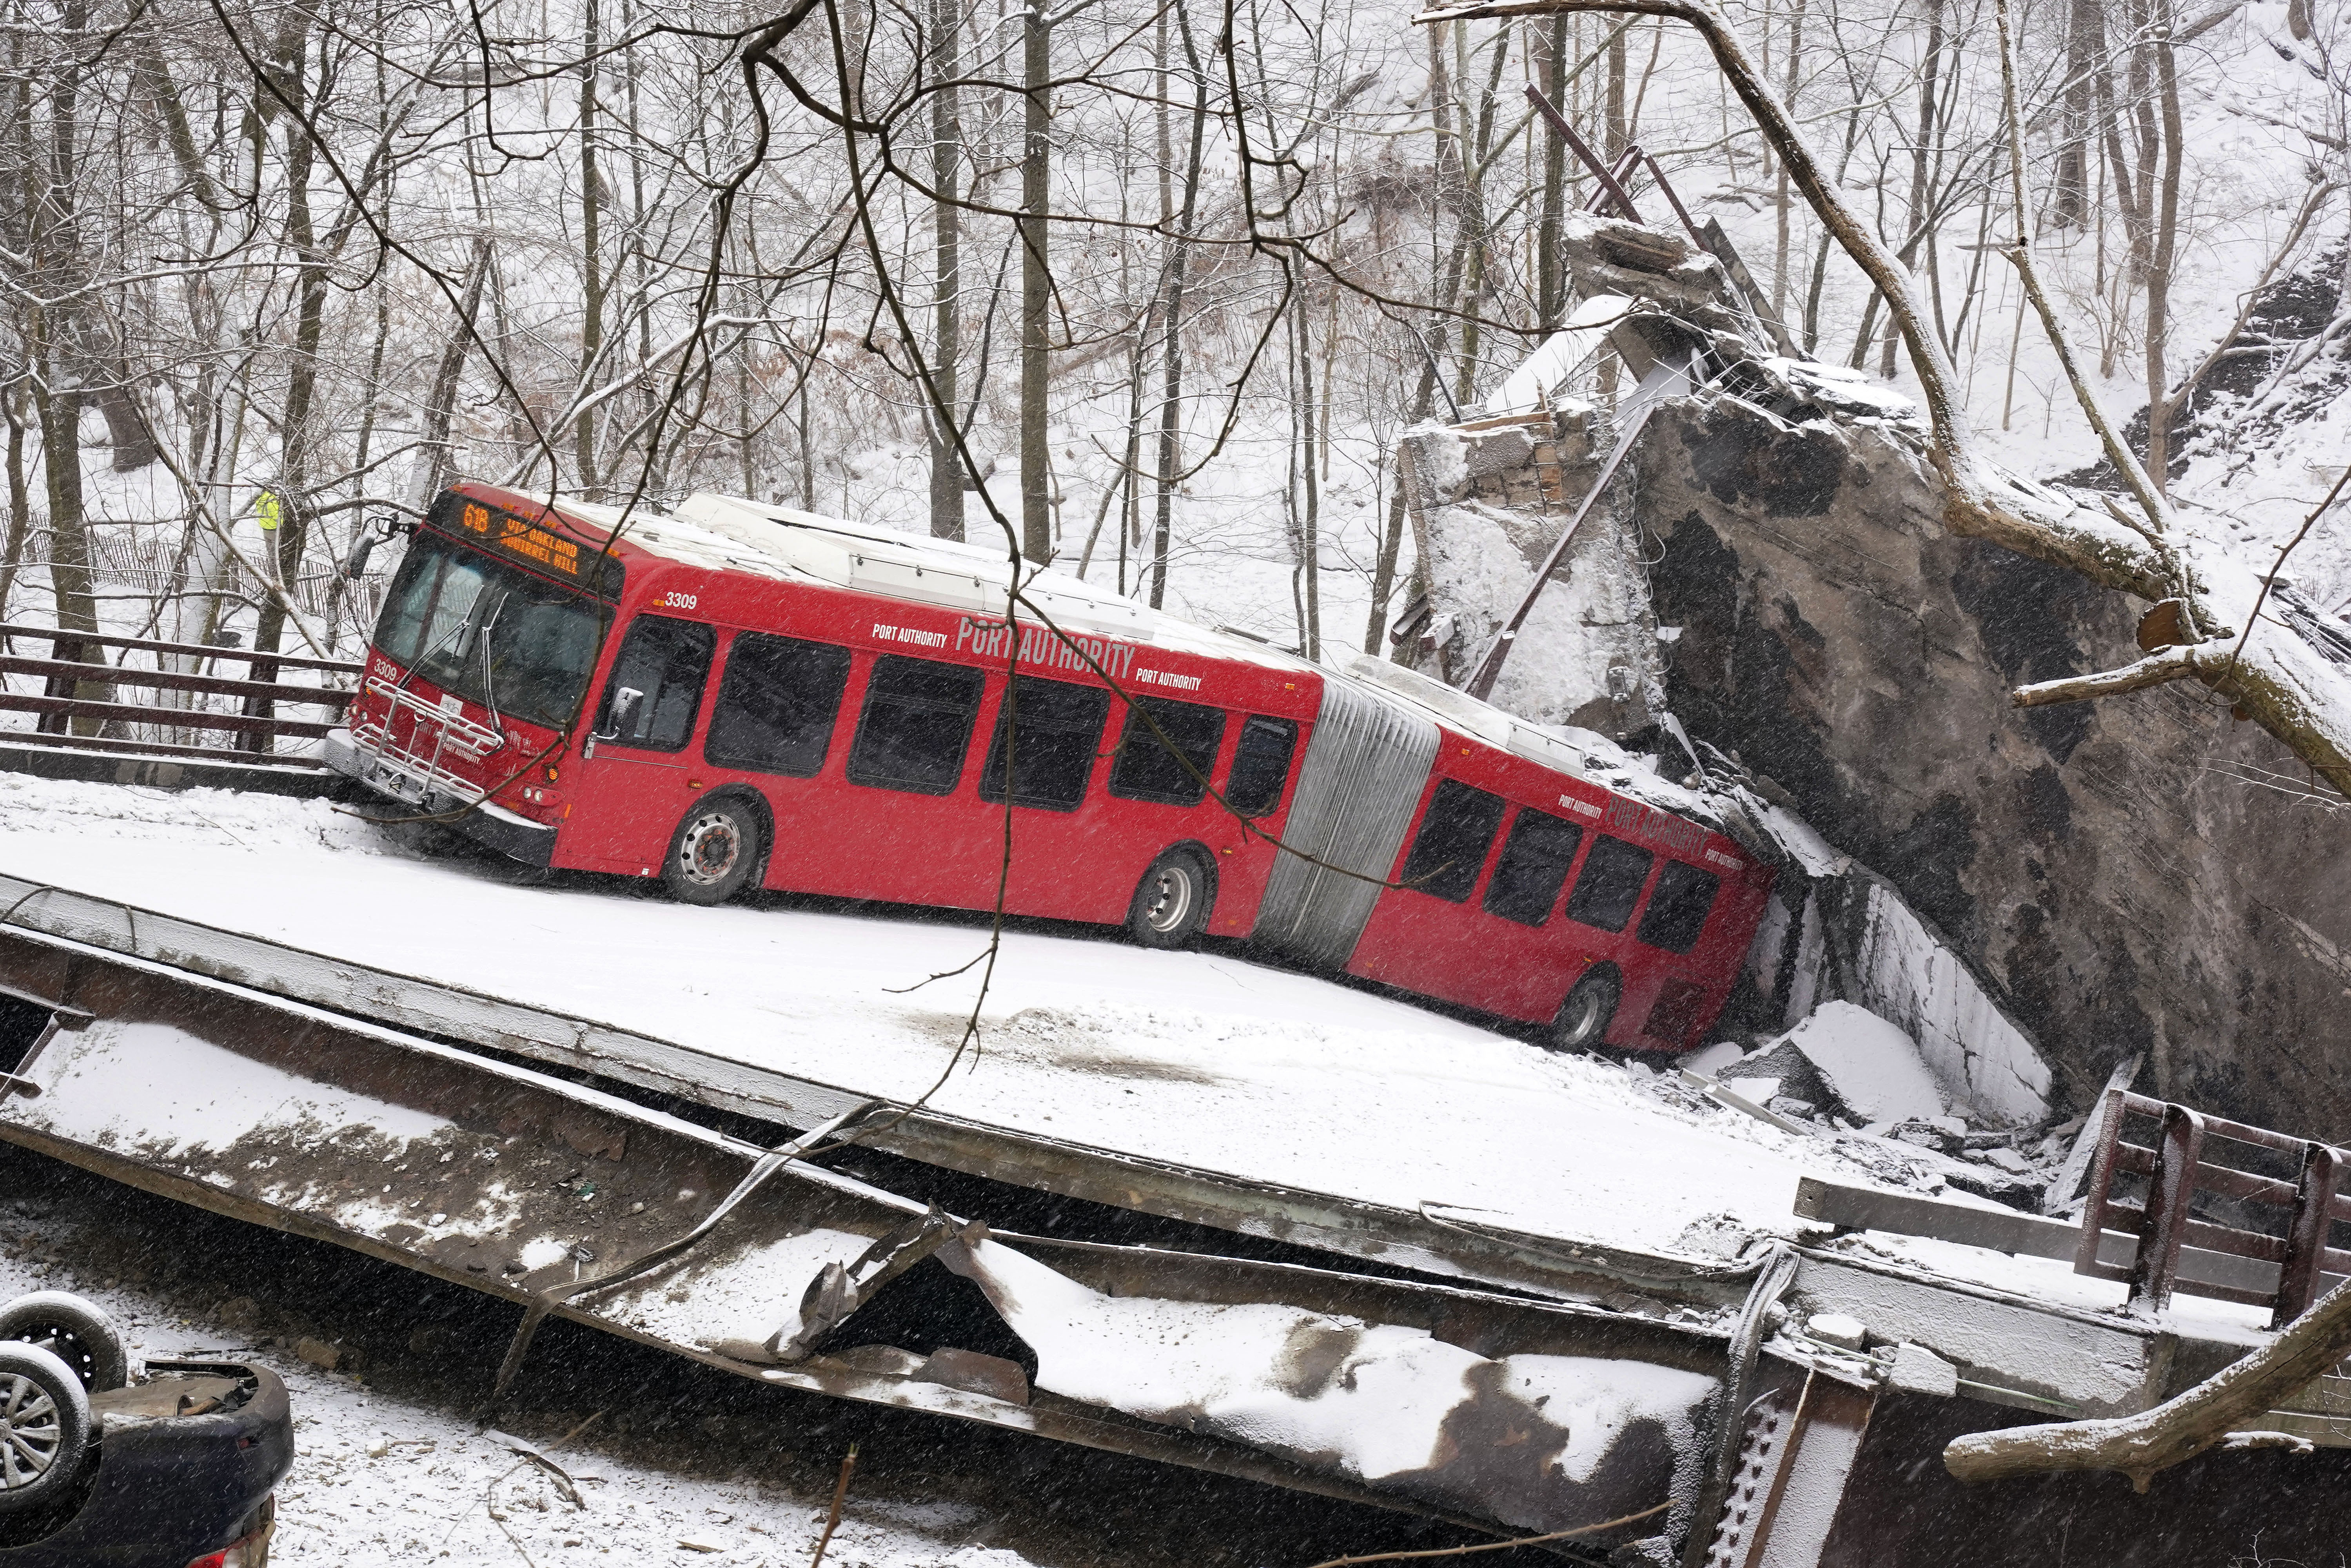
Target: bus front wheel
1590,1009
713,853
1171,906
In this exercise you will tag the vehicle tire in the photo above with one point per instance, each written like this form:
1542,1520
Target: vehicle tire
44,1429
74,1331
713,851
1172,903
1583,1019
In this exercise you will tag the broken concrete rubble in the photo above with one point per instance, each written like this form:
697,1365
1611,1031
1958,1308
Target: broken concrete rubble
1850,1060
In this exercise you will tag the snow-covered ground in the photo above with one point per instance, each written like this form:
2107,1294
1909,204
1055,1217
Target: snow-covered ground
1205,1059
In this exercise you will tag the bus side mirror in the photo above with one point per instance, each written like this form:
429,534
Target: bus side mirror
623,713
364,546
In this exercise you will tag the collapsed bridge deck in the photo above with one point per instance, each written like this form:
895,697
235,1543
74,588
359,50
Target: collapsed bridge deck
1199,1087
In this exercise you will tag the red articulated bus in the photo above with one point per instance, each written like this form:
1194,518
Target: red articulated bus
736,694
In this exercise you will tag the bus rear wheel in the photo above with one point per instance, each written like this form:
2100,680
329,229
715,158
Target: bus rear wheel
1590,1009
1171,906
713,853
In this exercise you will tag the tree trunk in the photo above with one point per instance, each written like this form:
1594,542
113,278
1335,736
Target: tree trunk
2085,41
1618,133
20,498
1171,318
297,504
1309,525
59,265
592,264
1551,272
947,150
2159,260
1036,288
1780,195
1921,151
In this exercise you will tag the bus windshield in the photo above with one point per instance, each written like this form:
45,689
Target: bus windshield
491,633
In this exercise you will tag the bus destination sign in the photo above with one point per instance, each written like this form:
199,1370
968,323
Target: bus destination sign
548,550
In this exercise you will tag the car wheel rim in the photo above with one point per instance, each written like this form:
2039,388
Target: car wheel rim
1171,900
710,849
30,1432
65,1345
1584,1018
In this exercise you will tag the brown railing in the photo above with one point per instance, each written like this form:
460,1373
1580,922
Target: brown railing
77,660
2280,1218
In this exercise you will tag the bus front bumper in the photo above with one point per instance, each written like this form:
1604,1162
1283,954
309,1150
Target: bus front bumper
493,827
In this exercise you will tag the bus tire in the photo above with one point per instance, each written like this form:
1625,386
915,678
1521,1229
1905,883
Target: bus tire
1172,903
714,852
74,1331
1583,1019
45,1420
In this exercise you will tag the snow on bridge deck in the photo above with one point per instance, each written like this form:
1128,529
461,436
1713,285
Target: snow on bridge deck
1199,1059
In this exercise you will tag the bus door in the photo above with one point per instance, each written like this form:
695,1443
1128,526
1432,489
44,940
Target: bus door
1426,934
1498,941
638,774
1045,750
1524,928
907,828
1682,995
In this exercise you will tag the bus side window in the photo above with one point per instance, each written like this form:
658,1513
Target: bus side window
1260,765
1056,728
665,663
1145,770
776,704
916,726
1679,908
1611,883
1533,866
1452,842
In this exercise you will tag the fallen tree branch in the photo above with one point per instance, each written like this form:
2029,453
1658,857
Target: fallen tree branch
1499,1545
2214,1413
833,1515
2169,664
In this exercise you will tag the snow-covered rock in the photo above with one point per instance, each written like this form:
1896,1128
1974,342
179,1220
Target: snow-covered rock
1871,1066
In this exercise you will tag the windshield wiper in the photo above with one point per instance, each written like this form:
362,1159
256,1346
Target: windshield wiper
489,680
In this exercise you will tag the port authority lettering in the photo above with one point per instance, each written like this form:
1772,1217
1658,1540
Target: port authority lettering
914,634
1635,821
1042,648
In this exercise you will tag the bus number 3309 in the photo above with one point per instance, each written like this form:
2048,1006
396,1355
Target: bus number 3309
678,601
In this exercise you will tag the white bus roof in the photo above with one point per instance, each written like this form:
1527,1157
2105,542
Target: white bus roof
725,532
789,545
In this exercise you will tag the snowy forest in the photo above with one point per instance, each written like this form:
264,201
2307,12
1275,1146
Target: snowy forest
1562,776
1179,275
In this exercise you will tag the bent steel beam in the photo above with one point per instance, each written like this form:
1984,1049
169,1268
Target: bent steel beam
516,1183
